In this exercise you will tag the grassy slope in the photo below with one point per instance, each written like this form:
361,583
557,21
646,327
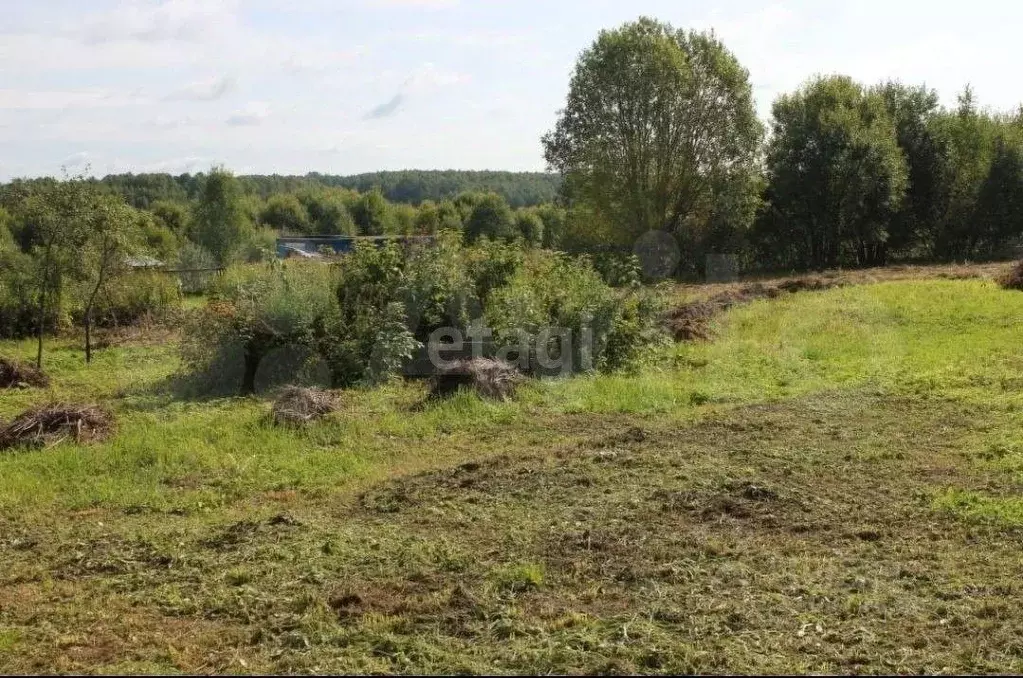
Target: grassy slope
832,485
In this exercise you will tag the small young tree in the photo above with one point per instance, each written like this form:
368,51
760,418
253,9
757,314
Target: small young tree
58,215
113,236
491,218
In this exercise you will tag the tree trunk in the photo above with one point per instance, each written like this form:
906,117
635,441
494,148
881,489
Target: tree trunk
41,328
252,360
88,336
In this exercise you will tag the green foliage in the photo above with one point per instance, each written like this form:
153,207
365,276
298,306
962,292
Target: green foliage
553,218
328,211
491,218
491,265
519,189
256,310
438,286
371,213
260,246
605,330
18,294
284,212
219,221
529,226
999,209
7,243
135,296
618,269
393,346
658,126
172,216
156,239
837,175
195,262
368,285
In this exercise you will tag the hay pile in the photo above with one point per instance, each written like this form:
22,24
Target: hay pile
15,374
297,406
487,377
51,424
1013,280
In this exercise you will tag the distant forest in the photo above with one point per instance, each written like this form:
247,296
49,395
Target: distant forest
519,189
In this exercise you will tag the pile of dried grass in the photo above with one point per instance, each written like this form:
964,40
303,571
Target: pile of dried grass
15,374
297,406
51,424
487,377
1013,280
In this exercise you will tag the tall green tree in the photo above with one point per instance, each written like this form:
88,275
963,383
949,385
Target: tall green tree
220,223
999,212
837,175
912,110
659,124
965,140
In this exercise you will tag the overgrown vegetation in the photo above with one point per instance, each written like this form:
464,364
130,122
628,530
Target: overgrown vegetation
366,317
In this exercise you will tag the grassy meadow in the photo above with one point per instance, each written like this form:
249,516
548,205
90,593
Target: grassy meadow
832,484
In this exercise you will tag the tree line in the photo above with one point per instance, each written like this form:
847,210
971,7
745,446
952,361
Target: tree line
519,189
659,132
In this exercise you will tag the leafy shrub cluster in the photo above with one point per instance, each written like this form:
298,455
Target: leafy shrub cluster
366,317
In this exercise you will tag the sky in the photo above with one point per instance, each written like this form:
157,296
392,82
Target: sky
349,86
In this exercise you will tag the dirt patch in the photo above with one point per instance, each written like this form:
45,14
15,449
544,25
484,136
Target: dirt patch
52,424
487,377
691,321
16,374
297,406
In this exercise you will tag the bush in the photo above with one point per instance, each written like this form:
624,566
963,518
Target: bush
491,218
1013,280
260,246
568,317
18,289
618,269
530,227
255,310
135,296
368,312
198,263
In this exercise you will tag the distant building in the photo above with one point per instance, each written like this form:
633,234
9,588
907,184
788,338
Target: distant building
311,247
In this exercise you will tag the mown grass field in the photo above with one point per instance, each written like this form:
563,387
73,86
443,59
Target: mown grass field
833,484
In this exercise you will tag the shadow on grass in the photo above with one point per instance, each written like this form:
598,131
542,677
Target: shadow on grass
222,378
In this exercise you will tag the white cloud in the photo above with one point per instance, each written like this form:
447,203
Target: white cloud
254,113
205,90
171,20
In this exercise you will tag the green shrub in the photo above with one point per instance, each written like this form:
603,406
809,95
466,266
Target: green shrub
260,246
369,285
197,264
254,311
135,296
491,218
619,269
18,290
594,326
530,226
437,286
